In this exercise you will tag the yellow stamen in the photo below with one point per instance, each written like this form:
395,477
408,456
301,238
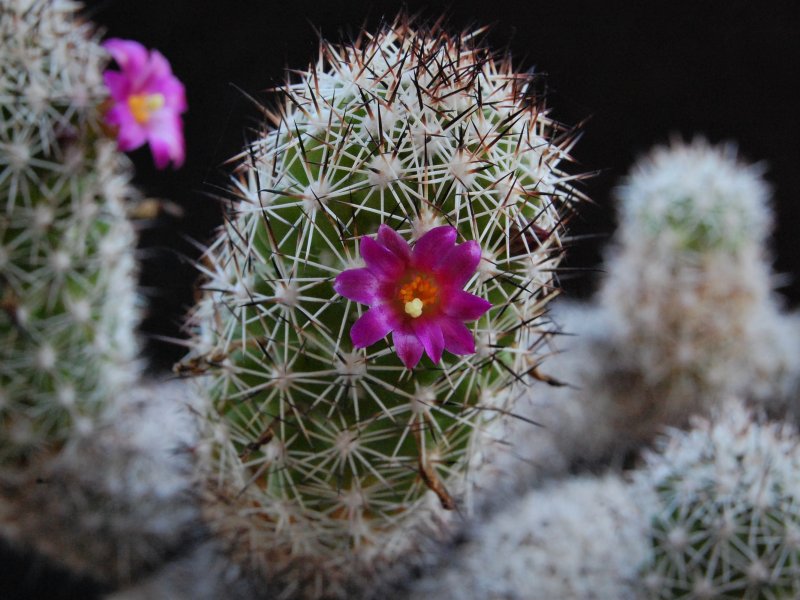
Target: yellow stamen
414,308
144,105
419,292
421,287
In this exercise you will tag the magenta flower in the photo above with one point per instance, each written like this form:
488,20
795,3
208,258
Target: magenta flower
147,101
415,294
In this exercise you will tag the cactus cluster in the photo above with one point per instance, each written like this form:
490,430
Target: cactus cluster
726,520
66,249
326,451
415,170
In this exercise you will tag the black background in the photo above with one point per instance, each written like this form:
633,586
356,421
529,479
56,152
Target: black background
640,72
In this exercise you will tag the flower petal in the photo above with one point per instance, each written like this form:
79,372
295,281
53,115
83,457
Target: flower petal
459,264
430,336
433,246
389,238
165,134
118,85
359,285
129,55
464,306
158,70
383,263
407,346
457,338
174,94
130,134
373,325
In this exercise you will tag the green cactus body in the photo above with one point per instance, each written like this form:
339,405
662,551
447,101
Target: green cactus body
66,249
726,520
334,446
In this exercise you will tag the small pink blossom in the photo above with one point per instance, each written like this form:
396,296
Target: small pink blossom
147,101
415,294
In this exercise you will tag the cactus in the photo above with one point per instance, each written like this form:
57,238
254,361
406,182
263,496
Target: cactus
685,315
726,523
689,284
581,538
325,453
66,248
114,504
88,477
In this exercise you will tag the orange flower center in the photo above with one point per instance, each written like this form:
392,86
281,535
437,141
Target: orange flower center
144,105
420,292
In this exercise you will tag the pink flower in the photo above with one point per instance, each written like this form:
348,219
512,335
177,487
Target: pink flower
415,294
147,101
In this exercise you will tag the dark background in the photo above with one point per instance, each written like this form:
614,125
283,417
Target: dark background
640,72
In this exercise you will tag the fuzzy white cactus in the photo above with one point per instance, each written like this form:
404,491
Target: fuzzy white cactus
726,523
685,316
688,277
581,538
115,502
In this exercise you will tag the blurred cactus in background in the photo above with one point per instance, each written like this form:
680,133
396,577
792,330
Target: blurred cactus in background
87,475
329,452
726,523
577,538
685,317
66,248
689,281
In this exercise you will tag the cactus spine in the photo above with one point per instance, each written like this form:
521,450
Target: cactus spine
328,454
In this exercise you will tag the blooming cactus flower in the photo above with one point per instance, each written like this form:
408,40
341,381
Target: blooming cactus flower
415,294
147,101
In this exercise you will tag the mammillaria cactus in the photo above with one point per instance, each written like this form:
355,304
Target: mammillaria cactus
577,538
412,171
689,285
87,476
726,523
66,248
